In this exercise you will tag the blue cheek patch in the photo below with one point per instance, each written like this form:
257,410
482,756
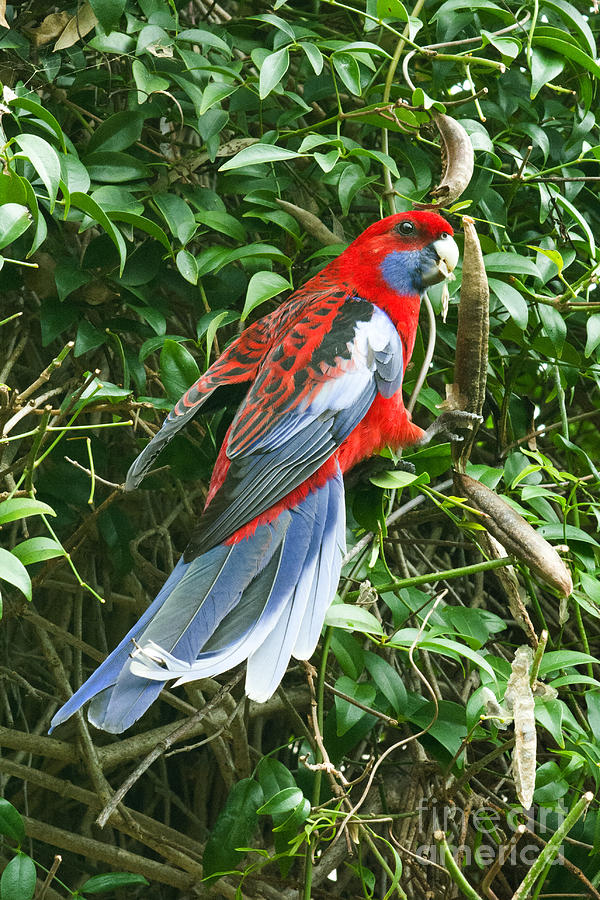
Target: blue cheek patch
402,271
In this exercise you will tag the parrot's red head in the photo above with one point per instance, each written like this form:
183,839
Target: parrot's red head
404,253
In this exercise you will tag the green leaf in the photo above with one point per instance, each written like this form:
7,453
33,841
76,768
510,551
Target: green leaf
592,701
18,879
554,325
574,678
178,216
69,278
146,82
117,132
113,198
279,23
234,828
143,224
273,776
282,802
178,369
486,5
41,229
15,219
593,334
257,154
327,161
223,222
348,70
552,255
30,105
391,9
205,38
550,785
566,533
445,721
187,266
95,211
388,681
352,618
14,572
108,12
11,823
507,47
382,158
112,881
261,287
352,180
314,55
20,507
563,659
44,159
512,300
545,66
512,263
348,653
214,93
445,646
272,71
348,714
217,319
398,479
151,38
88,338
115,42
567,51
37,549
115,168
576,23
102,390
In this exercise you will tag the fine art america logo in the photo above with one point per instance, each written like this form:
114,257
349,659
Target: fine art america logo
491,839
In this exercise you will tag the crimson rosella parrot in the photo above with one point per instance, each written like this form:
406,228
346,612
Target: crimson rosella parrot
324,375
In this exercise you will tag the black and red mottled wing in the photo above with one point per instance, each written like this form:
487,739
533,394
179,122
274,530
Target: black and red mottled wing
236,365
311,390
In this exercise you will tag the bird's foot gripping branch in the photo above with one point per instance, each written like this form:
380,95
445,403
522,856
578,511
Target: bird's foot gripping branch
447,423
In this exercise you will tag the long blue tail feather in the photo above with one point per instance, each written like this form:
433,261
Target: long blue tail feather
251,600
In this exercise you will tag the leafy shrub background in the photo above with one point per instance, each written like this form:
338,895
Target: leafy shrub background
146,146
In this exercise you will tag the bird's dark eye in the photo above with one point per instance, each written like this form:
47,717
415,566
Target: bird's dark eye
444,235
405,228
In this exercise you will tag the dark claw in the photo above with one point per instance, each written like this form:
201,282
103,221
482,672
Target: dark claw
362,472
403,465
457,418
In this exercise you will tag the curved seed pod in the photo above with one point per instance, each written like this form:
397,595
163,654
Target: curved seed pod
519,698
470,368
458,161
515,534
311,223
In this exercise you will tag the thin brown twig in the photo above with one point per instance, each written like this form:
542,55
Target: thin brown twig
368,709
180,732
47,881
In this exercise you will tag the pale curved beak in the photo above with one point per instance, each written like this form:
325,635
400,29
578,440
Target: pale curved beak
447,257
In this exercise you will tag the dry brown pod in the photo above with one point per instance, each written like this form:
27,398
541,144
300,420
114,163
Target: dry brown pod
470,367
458,161
515,534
